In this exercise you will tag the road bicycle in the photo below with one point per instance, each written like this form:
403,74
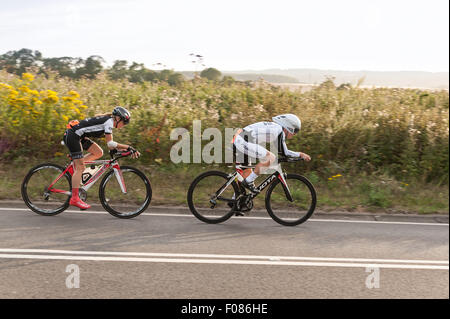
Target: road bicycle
215,196
124,192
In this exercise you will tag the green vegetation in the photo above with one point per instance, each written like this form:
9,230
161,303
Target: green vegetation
17,62
211,74
371,148
347,193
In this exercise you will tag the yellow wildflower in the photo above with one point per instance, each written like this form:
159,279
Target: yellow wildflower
74,94
27,77
51,99
6,86
22,100
13,94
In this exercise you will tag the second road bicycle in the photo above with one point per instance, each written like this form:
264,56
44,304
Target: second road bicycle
215,196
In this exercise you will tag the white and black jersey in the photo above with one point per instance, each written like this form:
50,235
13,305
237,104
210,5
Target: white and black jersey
270,132
96,126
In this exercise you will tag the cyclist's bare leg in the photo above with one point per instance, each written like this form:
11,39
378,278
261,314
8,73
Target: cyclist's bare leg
95,152
78,171
76,178
247,172
265,162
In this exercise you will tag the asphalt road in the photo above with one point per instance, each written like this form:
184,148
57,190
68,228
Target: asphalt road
168,255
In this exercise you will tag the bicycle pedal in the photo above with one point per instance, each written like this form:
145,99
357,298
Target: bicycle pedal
239,214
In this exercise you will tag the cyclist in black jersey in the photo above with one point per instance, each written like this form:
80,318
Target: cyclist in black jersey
77,139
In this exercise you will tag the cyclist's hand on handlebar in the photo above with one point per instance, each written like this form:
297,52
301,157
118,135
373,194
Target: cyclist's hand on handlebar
305,157
135,153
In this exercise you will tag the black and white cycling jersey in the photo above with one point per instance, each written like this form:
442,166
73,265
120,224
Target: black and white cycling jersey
96,126
263,133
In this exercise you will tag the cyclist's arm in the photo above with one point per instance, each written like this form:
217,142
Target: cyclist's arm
287,152
114,145
284,150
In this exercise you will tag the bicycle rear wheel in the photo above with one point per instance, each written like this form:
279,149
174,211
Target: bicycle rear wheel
133,201
201,196
297,211
35,191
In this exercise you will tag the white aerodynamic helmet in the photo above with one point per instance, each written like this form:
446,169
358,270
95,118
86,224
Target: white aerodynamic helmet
288,121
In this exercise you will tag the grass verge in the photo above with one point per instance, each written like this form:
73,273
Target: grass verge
339,192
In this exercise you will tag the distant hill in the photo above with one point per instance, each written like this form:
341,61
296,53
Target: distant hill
273,78
416,79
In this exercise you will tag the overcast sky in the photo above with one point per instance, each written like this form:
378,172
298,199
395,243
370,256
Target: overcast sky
378,35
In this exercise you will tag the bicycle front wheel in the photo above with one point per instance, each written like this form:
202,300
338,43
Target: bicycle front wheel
203,199
295,210
128,200
38,197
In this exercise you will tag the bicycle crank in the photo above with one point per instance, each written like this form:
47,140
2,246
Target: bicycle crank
82,194
246,203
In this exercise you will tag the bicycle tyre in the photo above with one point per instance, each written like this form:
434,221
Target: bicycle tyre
311,208
26,197
111,210
195,211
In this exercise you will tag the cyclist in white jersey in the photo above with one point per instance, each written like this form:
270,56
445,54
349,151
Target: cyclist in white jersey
248,142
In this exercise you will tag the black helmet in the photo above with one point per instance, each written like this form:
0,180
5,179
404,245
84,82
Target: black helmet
123,113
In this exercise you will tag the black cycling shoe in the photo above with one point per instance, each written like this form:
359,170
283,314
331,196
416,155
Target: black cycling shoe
250,186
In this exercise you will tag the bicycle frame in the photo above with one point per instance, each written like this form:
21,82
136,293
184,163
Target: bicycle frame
105,165
237,175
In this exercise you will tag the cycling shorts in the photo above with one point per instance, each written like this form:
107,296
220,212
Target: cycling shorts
75,144
249,149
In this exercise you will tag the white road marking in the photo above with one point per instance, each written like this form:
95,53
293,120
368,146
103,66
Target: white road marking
274,258
222,261
243,217
47,254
